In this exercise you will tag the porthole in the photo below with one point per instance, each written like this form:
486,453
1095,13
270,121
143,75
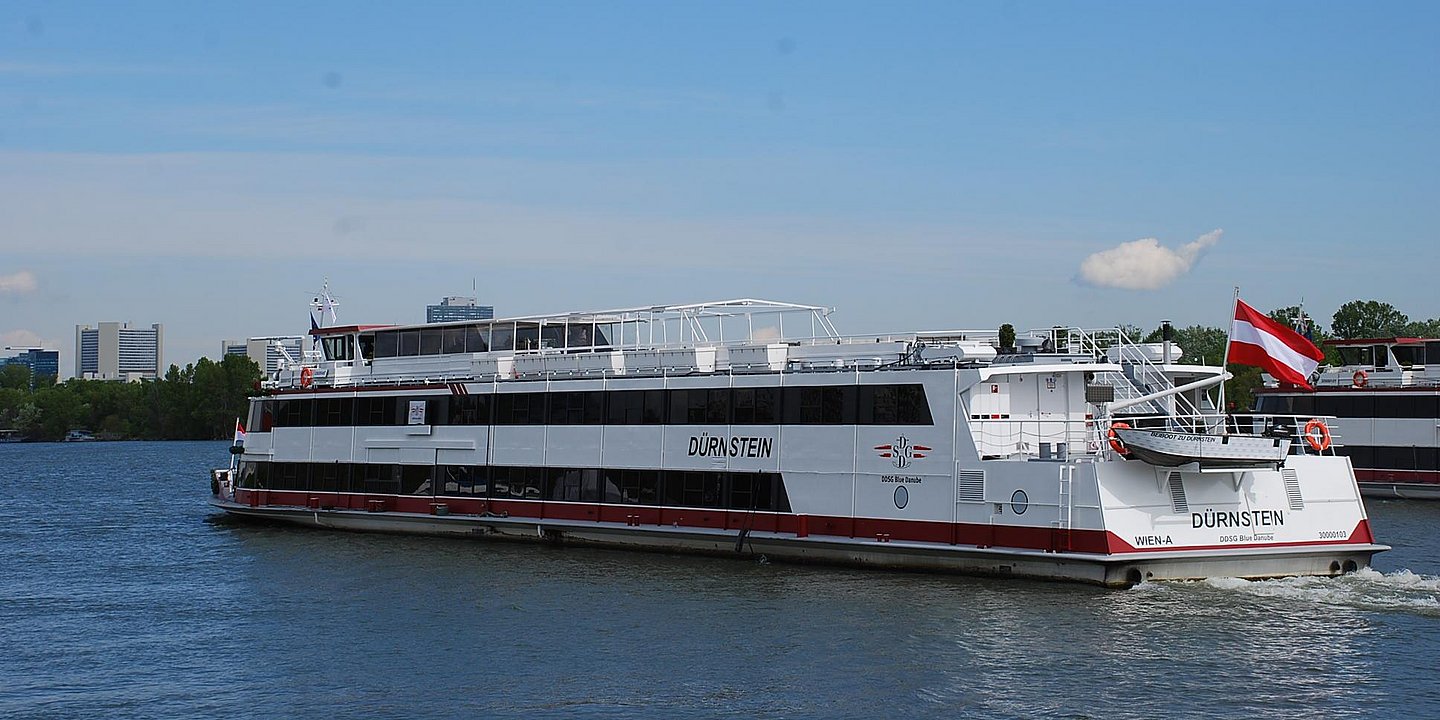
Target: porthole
1019,502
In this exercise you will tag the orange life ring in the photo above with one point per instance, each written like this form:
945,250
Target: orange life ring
1115,443
1317,435
307,376
1360,378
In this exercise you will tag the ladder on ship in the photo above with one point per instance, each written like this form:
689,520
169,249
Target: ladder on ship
1066,501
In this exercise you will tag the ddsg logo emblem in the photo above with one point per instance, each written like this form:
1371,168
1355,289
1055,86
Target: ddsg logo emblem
901,452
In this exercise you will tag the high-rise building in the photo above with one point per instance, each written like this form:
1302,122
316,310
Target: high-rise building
264,351
458,308
116,351
42,363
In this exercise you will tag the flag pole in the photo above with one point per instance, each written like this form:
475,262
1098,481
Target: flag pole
1225,360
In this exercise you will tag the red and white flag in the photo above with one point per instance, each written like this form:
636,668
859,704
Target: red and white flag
239,433
1257,340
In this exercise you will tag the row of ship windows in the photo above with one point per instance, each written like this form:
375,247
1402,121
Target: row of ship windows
673,488
1392,458
827,405
1349,405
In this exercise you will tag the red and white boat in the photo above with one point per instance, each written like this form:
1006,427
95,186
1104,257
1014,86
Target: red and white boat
1384,396
750,427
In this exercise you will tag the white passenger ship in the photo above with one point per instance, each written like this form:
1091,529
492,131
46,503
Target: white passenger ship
751,427
1385,398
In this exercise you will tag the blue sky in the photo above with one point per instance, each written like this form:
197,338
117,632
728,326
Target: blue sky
916,165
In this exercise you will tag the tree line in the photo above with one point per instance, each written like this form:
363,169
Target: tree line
202,400
1355,319
199,402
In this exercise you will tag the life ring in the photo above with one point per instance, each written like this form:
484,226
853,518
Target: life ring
1360,378
1115,443
1317,435
307,376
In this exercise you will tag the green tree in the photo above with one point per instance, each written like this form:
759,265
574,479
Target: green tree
1368,318
15,377
1423,329
1007,337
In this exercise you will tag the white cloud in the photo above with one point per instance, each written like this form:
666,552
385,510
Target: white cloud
19,283
1144,264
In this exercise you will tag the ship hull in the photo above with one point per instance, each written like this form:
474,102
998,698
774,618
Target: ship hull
1107,570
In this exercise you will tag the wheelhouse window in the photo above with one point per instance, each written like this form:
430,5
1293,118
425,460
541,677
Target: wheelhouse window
338,347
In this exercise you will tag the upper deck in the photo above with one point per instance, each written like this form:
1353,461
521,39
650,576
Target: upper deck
1376,364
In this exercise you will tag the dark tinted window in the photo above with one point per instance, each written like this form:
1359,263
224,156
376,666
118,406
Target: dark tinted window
432,341
387,344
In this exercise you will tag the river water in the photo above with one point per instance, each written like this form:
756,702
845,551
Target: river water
122,594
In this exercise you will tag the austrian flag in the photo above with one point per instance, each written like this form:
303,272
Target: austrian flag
1257,340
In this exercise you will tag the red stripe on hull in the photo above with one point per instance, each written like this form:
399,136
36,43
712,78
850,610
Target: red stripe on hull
1429,477
1101,542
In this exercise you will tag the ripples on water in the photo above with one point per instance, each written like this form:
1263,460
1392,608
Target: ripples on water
125,596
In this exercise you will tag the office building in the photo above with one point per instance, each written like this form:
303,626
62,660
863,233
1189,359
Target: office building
458,308
264,350
42,363
117,351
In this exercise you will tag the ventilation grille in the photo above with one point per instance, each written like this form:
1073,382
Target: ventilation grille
1178,503
970,486
1292,489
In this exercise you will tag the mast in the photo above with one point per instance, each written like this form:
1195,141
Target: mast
1225,360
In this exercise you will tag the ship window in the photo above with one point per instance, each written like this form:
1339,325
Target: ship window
913,408
1408,356
475,338
563,484
387,344
466,480
454,340
520,409
782,499
552,336
380,479
470,410
879,405
654,410
838,405
294,413
1395,458
432,341
625,407
688,407
335,412
254,416
717,406
330,477
503,337
612,487
580,336
409,343
802,405
1303,405
1354,355
375,411
756,405
367,347
527,337
694,489
246,476
415,479
1427,458
291,476
751,491
567,408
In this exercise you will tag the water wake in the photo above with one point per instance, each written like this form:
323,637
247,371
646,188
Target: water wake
1365,589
